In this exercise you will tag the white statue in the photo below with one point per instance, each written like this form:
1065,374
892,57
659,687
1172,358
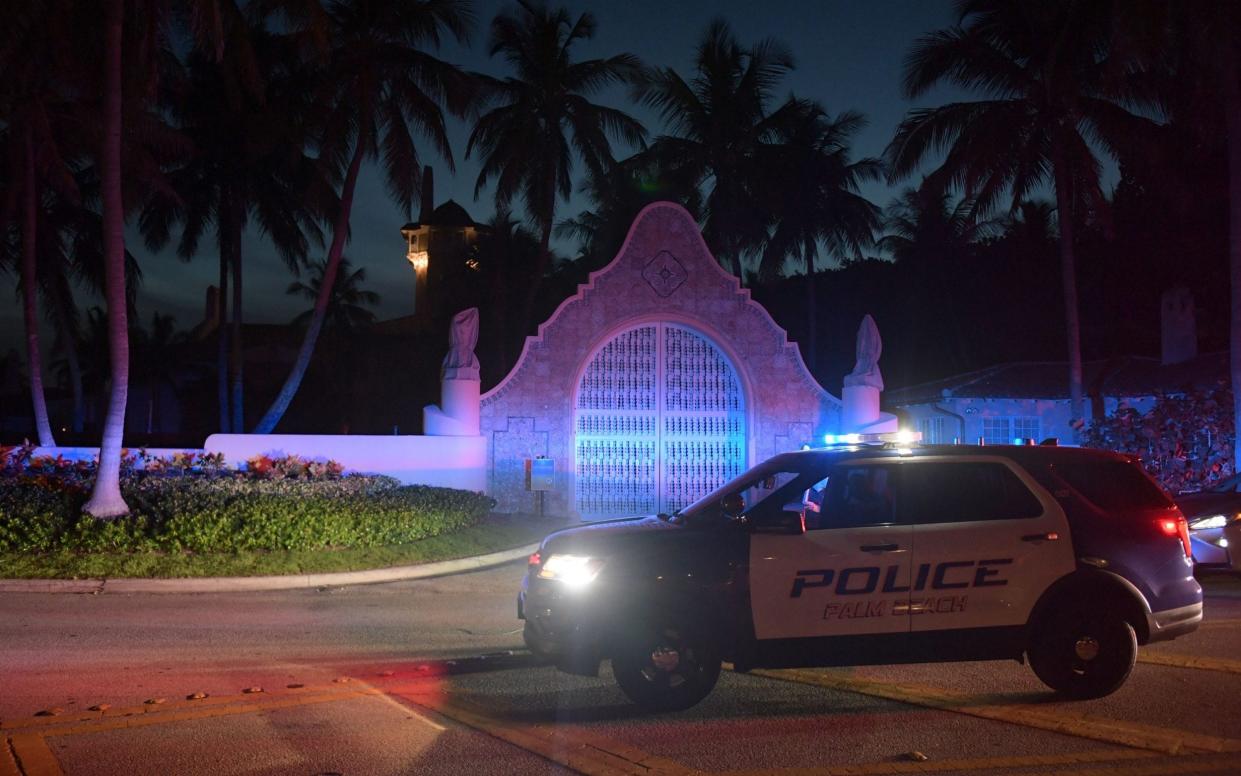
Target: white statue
461,363
869,346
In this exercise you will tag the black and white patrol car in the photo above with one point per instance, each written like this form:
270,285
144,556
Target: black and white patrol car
1069,558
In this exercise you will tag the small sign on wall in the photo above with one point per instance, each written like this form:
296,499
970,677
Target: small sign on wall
540,473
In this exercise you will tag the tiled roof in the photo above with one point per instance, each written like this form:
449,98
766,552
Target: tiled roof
1124,376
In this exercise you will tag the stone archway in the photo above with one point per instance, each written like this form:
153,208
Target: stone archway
659,420
664,277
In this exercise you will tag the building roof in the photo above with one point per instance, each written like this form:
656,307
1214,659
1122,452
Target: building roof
1123,376
448,214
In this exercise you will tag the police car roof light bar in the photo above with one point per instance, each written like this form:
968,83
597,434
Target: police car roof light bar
903,437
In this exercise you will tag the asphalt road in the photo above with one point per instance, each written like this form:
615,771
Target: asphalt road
429,677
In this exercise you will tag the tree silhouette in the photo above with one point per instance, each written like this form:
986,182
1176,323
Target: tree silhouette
377,85
1051,92
721,134
346,310
545,118
813,189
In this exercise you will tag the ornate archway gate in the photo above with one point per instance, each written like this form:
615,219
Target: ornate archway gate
659,420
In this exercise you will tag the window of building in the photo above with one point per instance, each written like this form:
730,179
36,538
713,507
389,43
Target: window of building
1003,430
936,430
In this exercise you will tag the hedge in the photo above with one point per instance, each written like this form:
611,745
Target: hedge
227,514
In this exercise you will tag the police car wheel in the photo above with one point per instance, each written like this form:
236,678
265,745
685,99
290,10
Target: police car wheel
1083,654
666,669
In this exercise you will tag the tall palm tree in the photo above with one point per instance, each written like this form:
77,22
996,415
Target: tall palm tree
720,123
545,117
41,142
378,86
347,310
813,186
247,166
1052,96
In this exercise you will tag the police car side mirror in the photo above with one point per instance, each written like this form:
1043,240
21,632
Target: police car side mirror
784,523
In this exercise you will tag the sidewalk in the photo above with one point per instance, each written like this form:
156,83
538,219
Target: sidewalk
255,584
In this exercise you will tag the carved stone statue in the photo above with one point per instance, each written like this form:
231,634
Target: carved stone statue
461,363
869,346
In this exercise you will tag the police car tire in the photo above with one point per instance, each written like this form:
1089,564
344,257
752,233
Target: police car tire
1053,653
654,689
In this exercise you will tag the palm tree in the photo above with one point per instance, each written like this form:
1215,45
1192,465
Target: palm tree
41,142
346,310
933,236
814,190
248,165
545,117
1052,95
618,195
157,349
376,86
720,129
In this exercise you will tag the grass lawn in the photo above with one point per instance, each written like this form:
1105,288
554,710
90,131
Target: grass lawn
494,533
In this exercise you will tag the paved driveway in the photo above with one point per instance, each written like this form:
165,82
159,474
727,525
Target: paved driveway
429,677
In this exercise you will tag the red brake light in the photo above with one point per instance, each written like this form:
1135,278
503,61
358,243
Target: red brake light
534,559
1176,526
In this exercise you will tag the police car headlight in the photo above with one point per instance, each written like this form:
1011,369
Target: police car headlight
1214,521
572,570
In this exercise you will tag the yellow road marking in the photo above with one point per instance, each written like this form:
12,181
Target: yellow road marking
1223,763
1158,739
8,766
959,764
1190,661
33,756
580,750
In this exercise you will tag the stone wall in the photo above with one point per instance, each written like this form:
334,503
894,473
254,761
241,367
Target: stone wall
663,272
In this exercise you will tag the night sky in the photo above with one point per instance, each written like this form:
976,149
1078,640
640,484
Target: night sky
848,57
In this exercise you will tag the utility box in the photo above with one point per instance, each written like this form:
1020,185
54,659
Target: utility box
540,473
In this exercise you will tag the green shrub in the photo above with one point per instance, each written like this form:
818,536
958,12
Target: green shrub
226,514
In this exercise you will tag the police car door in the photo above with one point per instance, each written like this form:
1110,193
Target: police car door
987,542
847,574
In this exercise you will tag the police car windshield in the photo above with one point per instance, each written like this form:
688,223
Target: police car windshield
768,481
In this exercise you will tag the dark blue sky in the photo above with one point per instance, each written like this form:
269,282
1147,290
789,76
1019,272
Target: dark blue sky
848,56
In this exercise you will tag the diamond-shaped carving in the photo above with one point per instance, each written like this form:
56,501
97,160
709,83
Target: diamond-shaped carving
664,273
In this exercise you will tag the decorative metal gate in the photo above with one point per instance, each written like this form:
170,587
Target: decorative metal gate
660,421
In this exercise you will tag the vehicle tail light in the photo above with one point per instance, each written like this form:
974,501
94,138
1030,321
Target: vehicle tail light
1176,526
534,559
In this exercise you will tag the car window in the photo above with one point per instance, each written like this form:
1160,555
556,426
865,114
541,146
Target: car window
1113,484
966,491
767,495
857,495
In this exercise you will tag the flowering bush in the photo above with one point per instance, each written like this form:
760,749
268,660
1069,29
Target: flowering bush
194,501
228,514
1185,441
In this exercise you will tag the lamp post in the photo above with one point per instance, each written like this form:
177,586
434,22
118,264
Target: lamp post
417,237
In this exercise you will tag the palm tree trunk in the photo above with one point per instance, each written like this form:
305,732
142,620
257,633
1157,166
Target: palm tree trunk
34,361
340,233
811,313
61,302
544,263
1068,284
105,500
1232,118
237,366
221,338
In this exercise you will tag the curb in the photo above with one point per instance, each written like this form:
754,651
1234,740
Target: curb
257,584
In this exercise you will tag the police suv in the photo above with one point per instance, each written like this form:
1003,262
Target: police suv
874,554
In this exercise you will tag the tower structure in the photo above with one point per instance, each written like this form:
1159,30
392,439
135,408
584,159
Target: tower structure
439,245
